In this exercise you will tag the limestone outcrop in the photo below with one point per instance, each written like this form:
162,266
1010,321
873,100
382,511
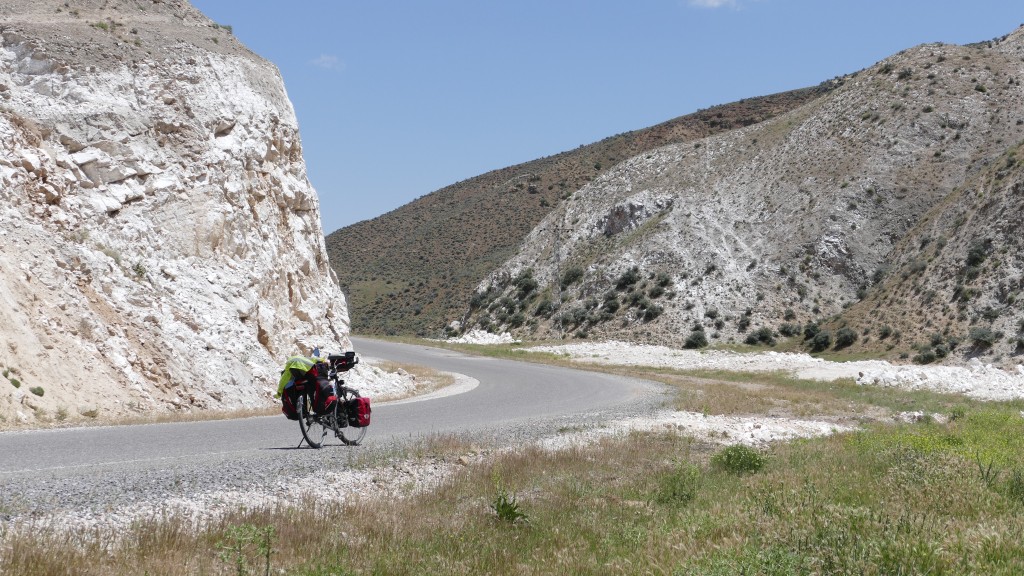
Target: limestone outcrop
160,244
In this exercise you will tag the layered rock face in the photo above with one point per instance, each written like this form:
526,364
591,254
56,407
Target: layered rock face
789,221
160,244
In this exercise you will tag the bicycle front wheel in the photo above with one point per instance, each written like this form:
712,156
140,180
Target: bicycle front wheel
313,429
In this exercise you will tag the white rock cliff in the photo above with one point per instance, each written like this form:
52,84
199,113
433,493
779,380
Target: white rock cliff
160,244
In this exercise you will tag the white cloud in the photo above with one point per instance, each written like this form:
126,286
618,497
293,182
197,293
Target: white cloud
327,62
713,3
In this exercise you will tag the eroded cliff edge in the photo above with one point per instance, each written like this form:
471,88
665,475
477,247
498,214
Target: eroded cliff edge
160,244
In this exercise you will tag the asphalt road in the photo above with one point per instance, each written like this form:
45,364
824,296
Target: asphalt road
517,398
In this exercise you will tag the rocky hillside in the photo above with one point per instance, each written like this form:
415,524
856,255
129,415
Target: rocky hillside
412,270
160,245
880,216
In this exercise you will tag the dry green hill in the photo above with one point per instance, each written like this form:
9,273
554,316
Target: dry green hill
412,270
884,214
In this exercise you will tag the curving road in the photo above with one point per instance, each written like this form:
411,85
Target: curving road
513,398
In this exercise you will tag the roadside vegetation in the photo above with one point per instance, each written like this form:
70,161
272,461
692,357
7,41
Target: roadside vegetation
943,495
924,498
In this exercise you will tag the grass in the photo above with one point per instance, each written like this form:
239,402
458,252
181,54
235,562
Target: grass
924,498
905,499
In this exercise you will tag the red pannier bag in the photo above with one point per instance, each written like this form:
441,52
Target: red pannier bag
358,410
323,398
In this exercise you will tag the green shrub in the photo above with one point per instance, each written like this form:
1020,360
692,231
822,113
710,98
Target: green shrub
738,459
743,324
37,390
845,337
572,276
611,305
525,283
762,335
977,252
652,311
628,278
711,313
788,330
811,330
15,382
544,308
983,337
821,341
696,339
680,486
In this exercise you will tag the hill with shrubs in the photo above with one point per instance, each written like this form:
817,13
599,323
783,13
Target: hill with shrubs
414,269
880,217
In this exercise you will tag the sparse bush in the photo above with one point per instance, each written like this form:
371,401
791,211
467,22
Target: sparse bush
571,276
811,330
711,313
680,486
743,323
652,312
663,279
821,340
545,308
789,330
983,337
738,459
525,284
884,332
696,339
926,356
845,337
611,305
789,315
762,335
656,291
978,252
628,278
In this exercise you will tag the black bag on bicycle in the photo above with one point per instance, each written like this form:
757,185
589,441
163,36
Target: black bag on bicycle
289,403
323,397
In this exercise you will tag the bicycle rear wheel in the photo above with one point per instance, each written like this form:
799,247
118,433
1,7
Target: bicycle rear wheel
313,429
349,435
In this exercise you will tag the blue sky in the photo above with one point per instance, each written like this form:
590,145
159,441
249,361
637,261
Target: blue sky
398,98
